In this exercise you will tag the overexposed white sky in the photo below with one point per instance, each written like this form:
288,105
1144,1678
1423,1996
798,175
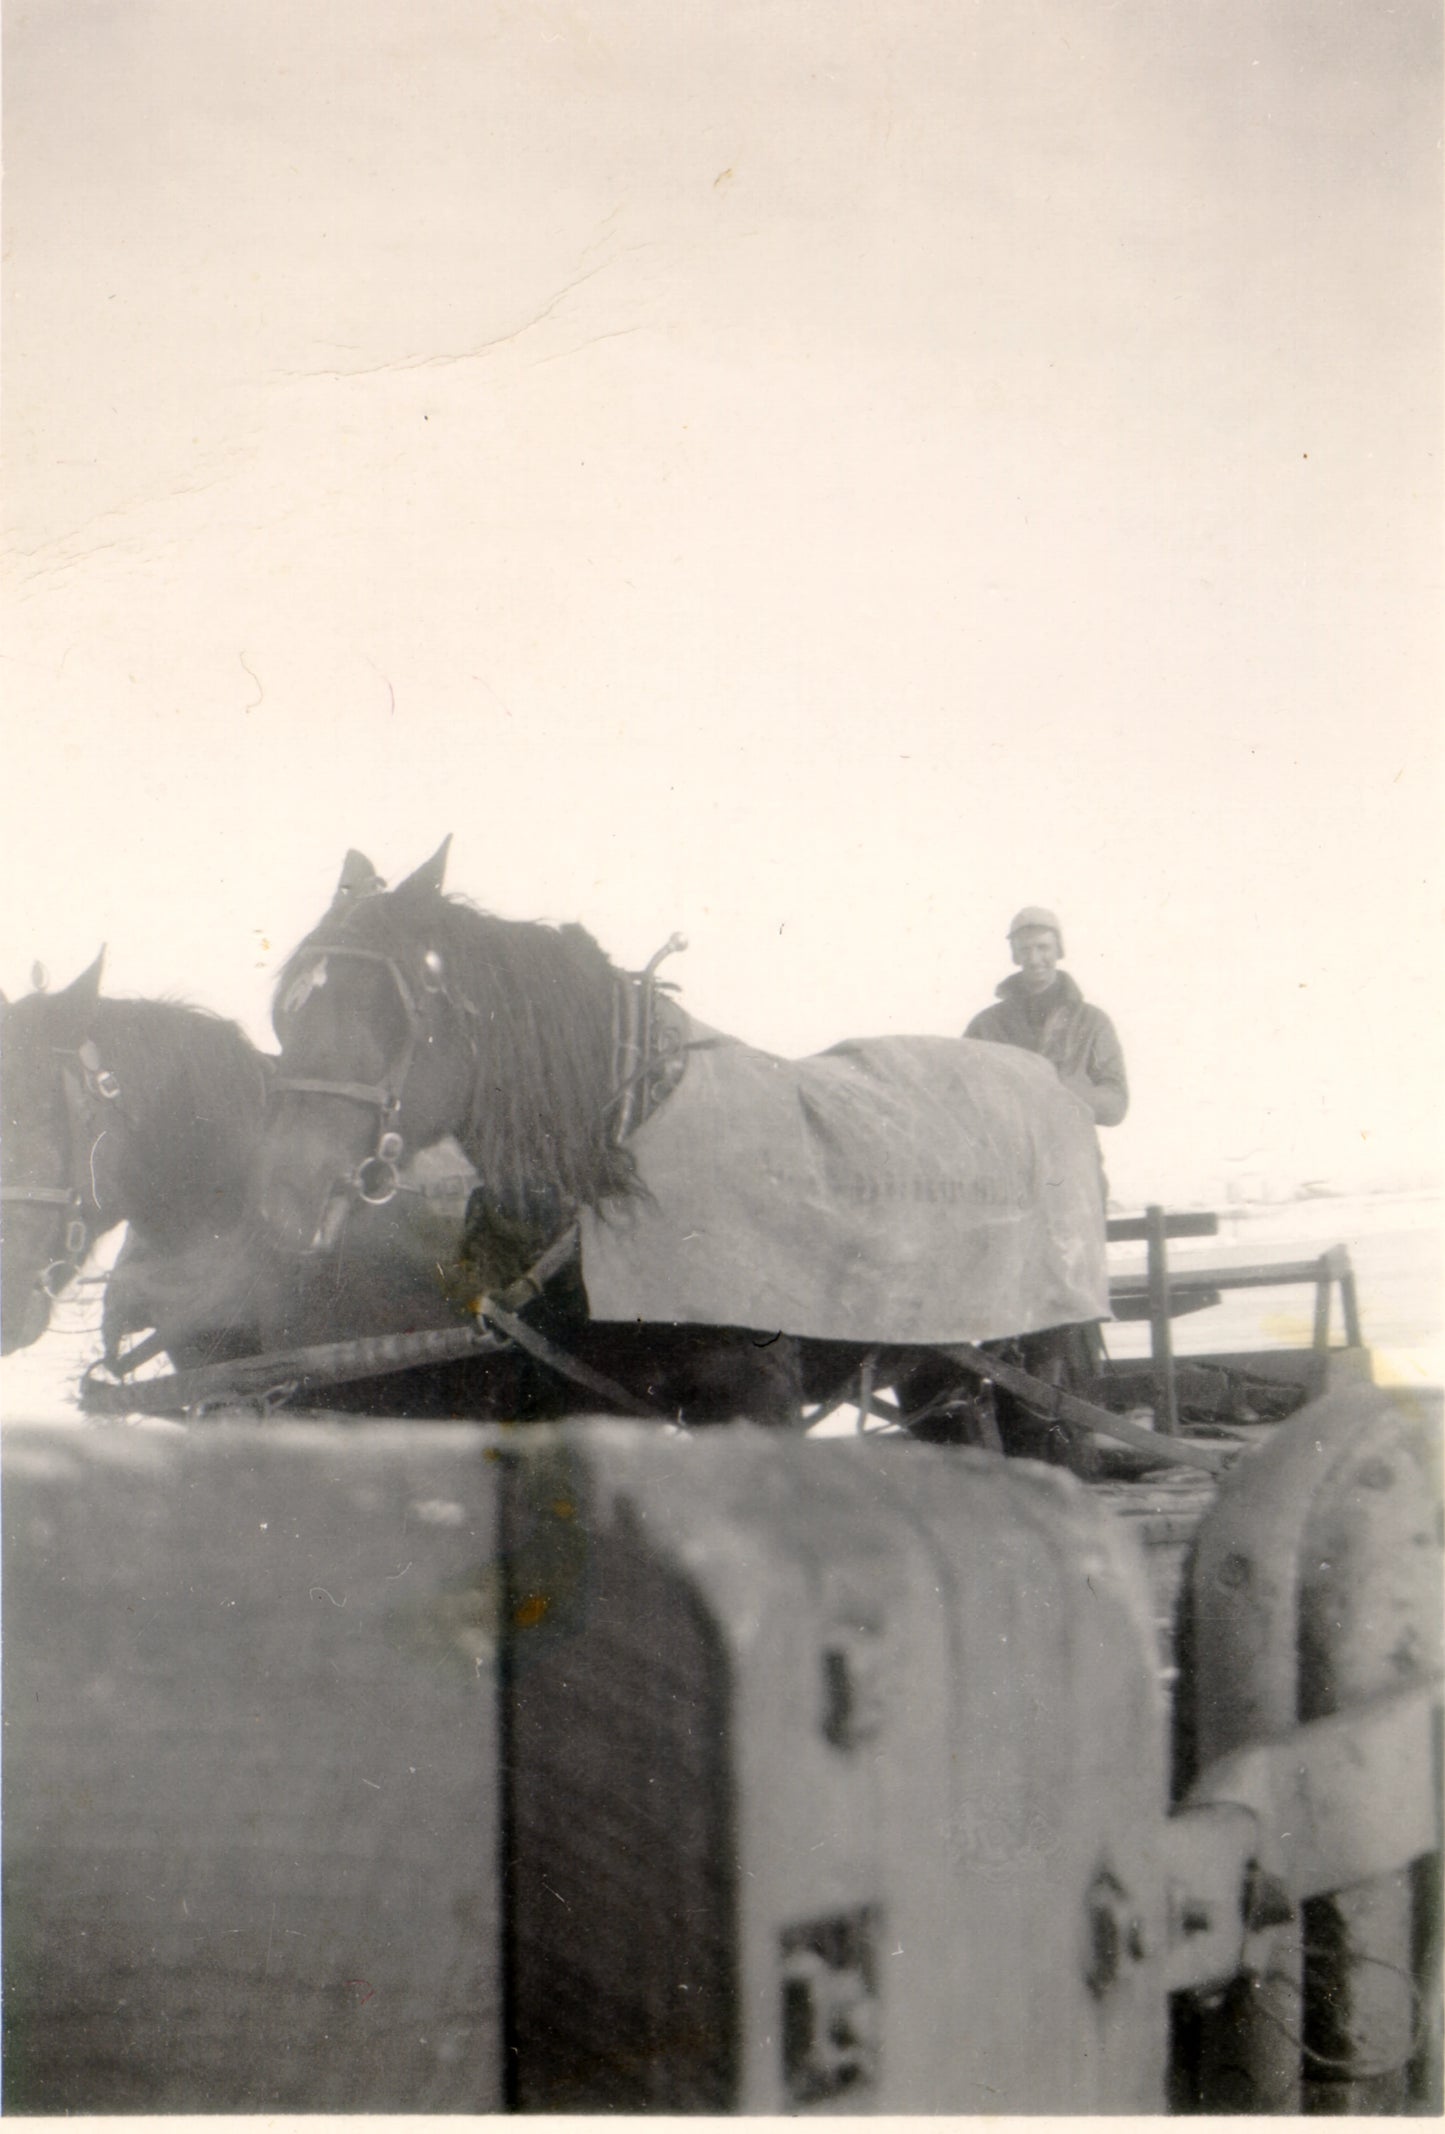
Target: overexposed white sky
817,477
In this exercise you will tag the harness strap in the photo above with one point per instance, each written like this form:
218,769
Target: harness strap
140,1352
530,1285
323,1363
626,1012
375,1095
648,1057
1058,1406
384,1097
545,1351
327,1363
448,1187
87,1088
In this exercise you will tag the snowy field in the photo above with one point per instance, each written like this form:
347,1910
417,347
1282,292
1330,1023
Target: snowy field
1396,1241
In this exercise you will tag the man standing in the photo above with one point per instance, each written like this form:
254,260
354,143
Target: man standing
1041,1009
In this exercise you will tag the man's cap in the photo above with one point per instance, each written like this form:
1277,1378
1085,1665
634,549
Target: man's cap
1037,915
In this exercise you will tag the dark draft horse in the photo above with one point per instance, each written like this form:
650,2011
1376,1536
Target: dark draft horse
410,1016
146,1112
150,1113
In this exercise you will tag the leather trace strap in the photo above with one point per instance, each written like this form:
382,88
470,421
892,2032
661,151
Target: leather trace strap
556,1359
277,1377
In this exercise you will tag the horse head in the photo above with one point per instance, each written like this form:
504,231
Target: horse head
376,1055
409,1017
57,1095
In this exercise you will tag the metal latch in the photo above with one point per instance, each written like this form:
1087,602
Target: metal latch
1336,1801
856,1658
829,2016
854,1669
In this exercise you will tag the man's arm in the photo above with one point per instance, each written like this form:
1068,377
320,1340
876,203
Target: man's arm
1103,1085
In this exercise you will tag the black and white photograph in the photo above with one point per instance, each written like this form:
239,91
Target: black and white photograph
722,1170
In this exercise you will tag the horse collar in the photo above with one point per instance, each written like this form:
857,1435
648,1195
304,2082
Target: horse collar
649,1053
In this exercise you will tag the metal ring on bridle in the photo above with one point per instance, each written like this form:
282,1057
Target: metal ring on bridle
54,1279
378,1178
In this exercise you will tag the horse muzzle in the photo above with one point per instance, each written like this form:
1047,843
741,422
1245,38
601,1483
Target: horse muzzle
288,1209
302,1218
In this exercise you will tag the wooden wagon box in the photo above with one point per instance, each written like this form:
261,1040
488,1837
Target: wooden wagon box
445,1768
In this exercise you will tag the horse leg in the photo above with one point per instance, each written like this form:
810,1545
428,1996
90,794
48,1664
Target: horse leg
697,1374
732,1373
950,1410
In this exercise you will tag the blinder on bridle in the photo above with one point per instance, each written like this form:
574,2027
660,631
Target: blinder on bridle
88,1088
377,1178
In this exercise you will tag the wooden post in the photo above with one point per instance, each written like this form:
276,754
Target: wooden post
1161,1345
1320,1345
1337,1260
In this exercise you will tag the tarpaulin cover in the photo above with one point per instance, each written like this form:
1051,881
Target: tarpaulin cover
894,1190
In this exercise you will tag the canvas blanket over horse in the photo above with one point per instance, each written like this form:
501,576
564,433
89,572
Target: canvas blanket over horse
904,1190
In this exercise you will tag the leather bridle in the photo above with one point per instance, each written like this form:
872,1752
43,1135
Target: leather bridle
88,1089
377,1178
648,1050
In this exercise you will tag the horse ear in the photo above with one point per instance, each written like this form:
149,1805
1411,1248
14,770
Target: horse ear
81,995
430,875
358,879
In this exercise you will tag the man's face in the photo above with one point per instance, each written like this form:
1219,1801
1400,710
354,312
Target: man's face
1036,952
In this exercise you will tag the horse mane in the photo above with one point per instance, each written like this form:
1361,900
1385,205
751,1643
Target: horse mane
538,1003
193,1092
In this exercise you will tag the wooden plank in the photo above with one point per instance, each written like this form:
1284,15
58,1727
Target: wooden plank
1134,1229
1279,1274
1130,1300
1282,1274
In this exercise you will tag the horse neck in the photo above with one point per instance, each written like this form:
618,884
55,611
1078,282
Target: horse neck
190,1115
545,1073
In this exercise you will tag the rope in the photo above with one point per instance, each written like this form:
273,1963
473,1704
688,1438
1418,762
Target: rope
1352,2069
